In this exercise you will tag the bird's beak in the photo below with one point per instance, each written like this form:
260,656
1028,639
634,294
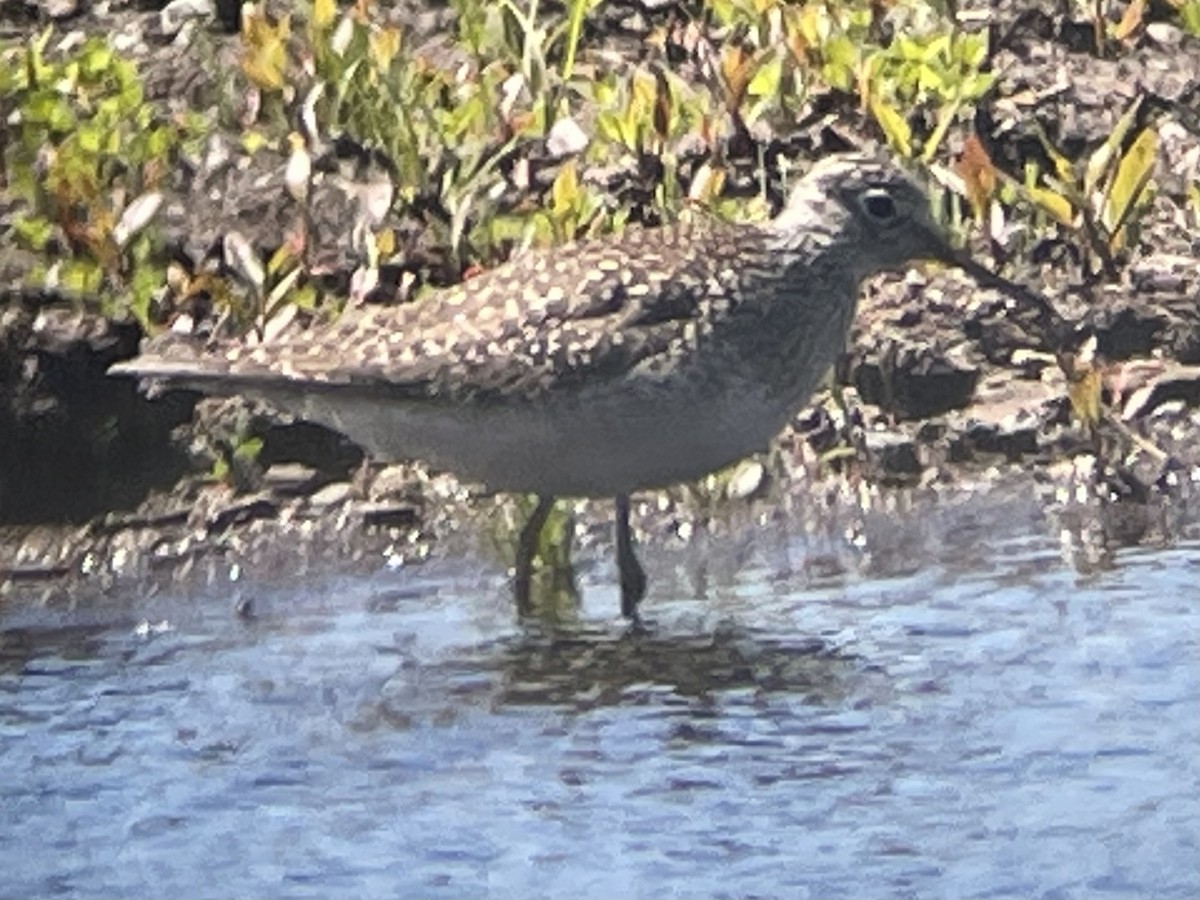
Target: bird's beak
1052,326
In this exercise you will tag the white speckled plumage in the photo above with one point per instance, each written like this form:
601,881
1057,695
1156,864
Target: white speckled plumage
606,366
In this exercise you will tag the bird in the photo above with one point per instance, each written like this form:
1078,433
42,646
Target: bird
604,367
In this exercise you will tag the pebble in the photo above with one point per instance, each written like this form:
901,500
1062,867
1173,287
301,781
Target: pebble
566,138
747,480
331,495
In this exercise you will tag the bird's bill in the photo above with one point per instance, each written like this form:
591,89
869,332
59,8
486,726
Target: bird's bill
1049,322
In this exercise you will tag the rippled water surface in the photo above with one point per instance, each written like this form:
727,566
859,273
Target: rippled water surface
977,721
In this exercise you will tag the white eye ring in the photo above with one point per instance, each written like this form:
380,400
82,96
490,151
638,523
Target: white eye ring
879,204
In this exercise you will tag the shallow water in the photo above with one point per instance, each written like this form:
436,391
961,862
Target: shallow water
972,719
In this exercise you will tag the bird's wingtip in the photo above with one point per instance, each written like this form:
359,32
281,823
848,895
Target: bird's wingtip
125,368
152,367
156,375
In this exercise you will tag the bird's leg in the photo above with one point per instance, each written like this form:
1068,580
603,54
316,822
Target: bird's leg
633,577
527,546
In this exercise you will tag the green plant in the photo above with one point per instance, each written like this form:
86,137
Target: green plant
578,11
443,131
1189,15
779,53
554,598
830,40
940,69
236,465
86,160
820,45
1103,200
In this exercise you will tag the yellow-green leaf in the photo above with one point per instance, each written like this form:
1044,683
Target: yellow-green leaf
305,297
765,82
385,243
1062,166
1189,15
279,259
895,126
1058,206
253,141
1101,161
323,13
842,57
81,277
248,450
34,231
565,193
814,24
384,45
264,46
1133,174
1084,384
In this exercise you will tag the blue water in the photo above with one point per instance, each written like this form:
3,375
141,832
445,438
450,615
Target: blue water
971,721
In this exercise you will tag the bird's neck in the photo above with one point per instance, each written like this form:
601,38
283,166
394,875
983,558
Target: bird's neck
808,319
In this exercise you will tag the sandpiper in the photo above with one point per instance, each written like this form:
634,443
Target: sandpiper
602,367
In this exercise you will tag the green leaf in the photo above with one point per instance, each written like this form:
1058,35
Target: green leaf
1063,167
248,449
895,127
722,10
34,231
304,297
280,291
1058,206
1129,184
253,141
37,73
96,59
220,470
81,277
611,127
909,48
507,229
147,281
1085,383
50,109
565,193
1100,163
765,82
974,49
1189,16
323,14
934,80
975,86
159,142
89,138
938,49
841,62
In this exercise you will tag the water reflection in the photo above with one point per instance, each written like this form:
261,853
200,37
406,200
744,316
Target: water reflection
942,710
66,645
588,668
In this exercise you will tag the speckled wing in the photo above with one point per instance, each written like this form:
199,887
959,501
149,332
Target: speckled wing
543,321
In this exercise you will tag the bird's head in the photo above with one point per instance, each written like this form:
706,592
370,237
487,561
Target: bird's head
870,209
874,216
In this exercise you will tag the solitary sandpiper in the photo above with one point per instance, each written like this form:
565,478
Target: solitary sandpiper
603,367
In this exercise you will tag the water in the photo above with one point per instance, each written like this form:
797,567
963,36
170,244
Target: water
976,720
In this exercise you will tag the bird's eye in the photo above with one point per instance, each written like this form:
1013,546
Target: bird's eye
879,205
